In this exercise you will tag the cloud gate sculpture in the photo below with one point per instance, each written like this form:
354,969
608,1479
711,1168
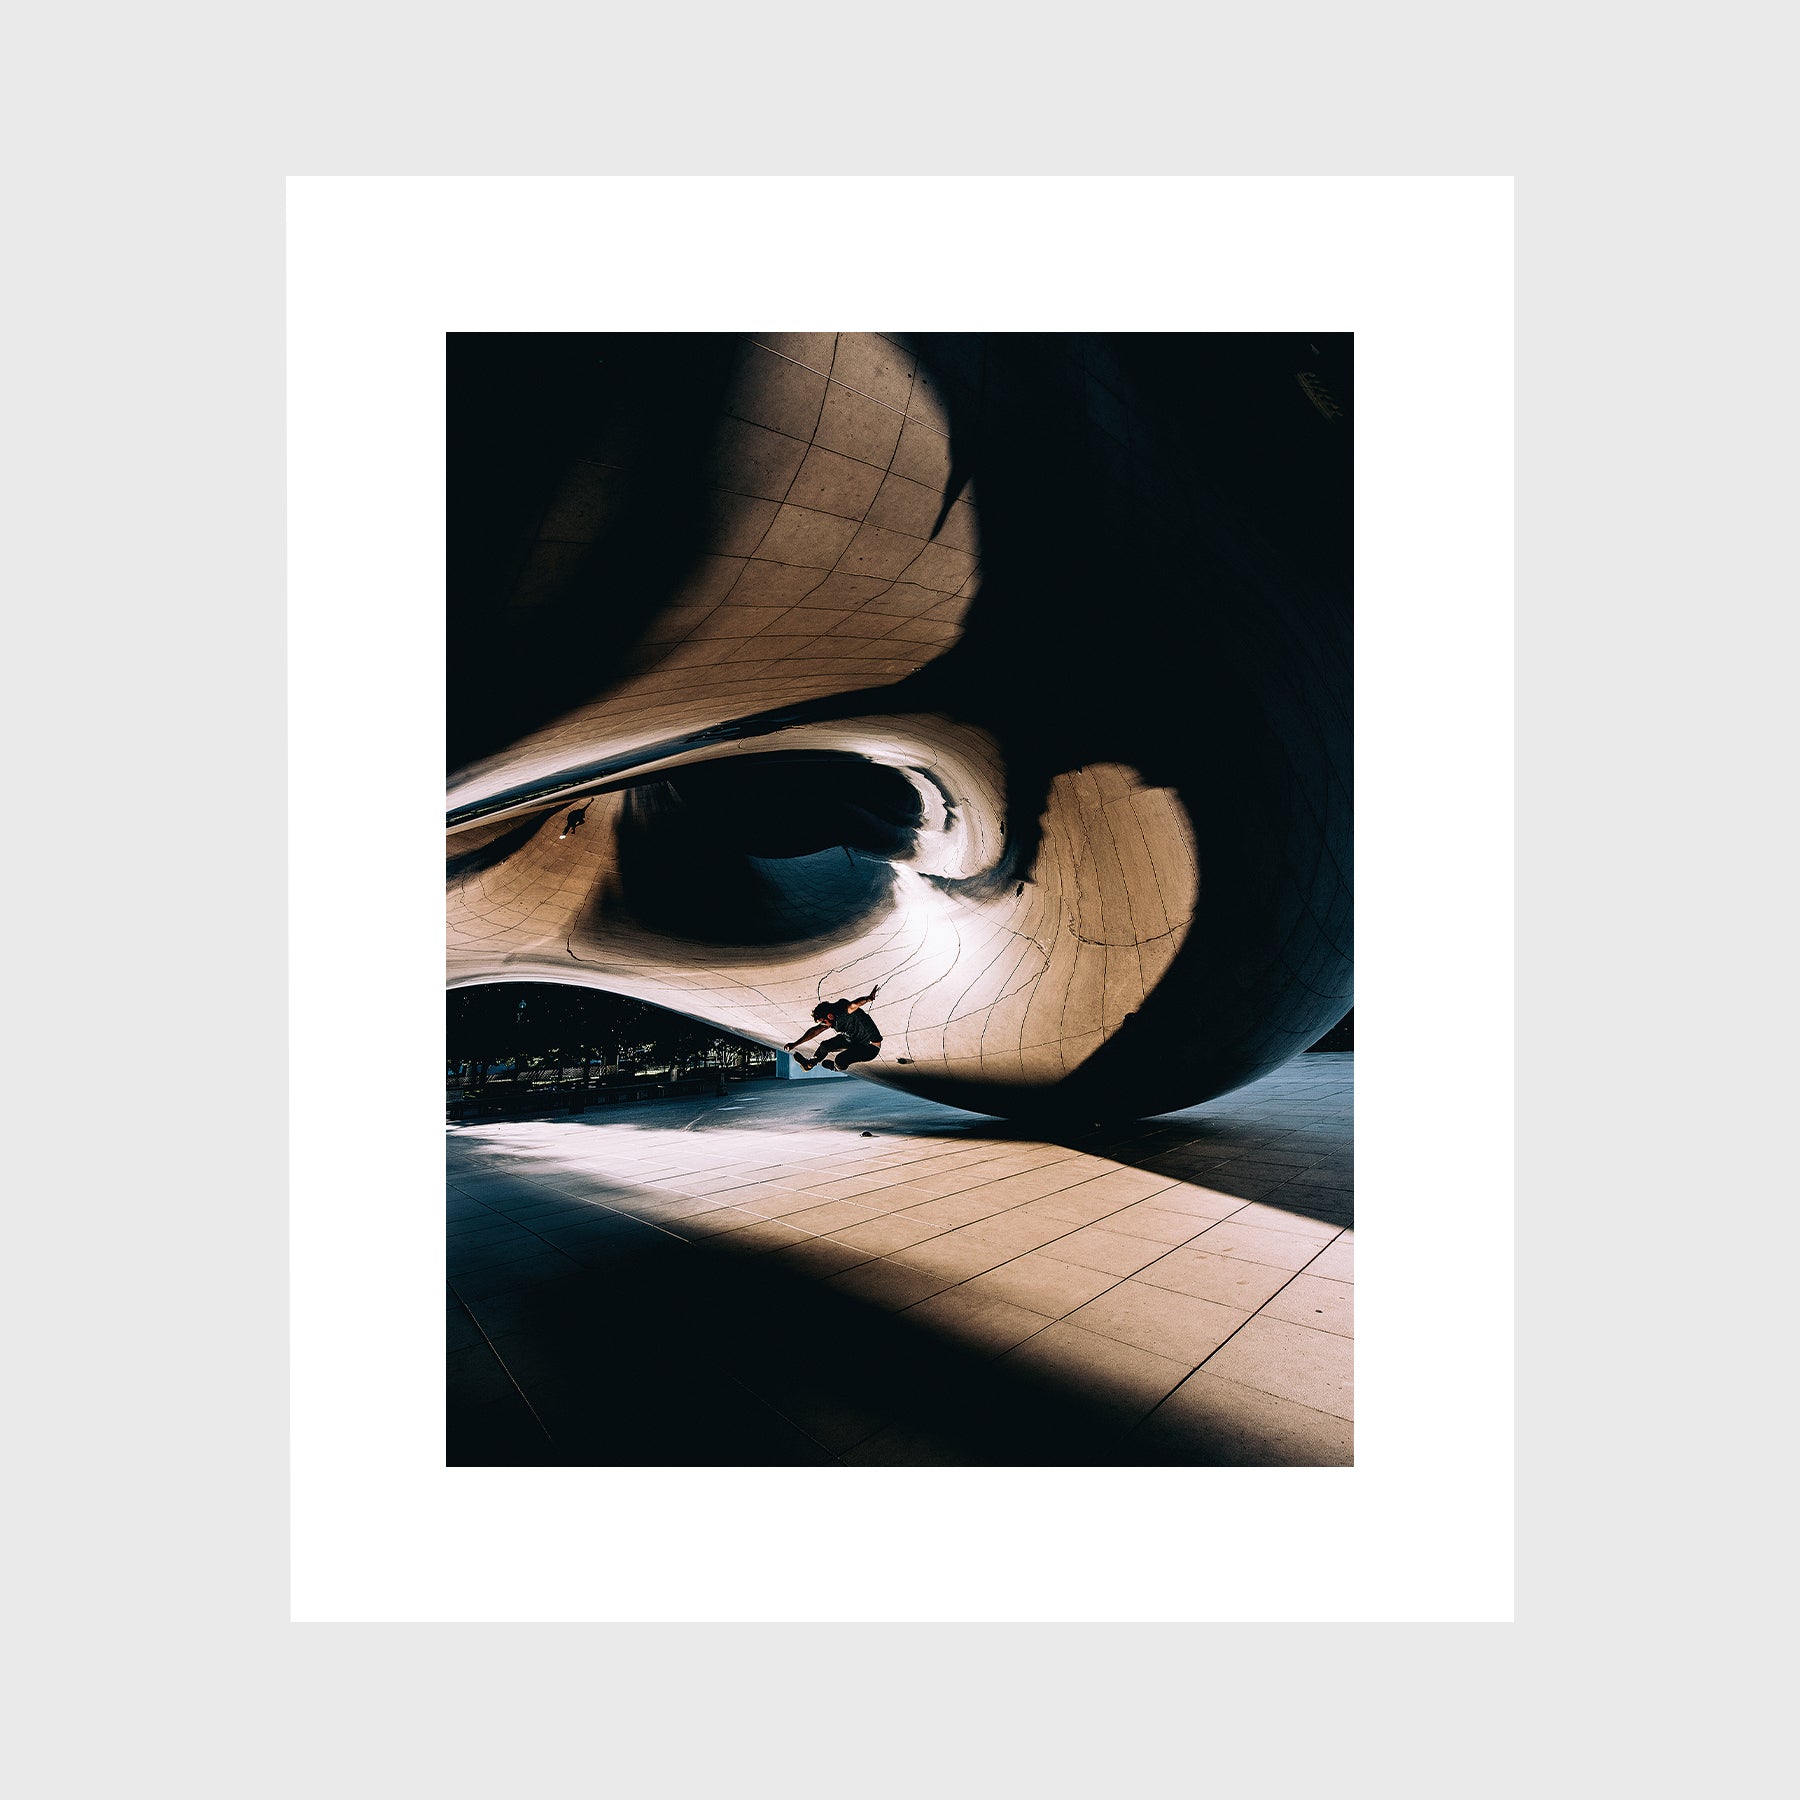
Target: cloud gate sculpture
1009,673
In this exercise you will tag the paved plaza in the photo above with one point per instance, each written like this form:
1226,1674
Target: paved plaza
828,1272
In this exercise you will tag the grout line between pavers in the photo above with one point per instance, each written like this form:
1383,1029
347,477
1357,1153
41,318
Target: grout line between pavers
507,1372
1201,1364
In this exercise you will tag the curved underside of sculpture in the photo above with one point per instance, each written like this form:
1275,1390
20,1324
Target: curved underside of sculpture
1009,674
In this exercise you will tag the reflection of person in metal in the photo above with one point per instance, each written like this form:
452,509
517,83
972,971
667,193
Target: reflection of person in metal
855,1035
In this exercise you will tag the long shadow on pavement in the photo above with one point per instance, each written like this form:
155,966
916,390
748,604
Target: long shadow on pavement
658,1352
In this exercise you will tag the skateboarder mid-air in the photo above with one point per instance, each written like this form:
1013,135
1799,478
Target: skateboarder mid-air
855,1035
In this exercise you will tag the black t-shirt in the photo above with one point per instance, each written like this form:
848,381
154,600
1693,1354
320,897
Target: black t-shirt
858,1027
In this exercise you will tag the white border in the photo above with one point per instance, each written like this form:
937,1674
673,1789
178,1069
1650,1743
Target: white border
1421,270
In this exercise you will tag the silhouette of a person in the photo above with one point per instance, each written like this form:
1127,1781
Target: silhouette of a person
855,1035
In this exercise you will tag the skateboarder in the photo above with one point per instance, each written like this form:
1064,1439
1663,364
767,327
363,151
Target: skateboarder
855,1035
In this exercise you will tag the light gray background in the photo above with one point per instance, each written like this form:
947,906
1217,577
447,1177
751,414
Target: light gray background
148,1311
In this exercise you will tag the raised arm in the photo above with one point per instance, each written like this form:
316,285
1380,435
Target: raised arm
858,1005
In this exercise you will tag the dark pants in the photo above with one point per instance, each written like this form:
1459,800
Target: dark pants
841,1053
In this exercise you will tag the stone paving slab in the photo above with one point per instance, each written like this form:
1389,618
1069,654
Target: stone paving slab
839,1274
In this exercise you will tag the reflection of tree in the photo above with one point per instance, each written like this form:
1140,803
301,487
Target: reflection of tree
535,1025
